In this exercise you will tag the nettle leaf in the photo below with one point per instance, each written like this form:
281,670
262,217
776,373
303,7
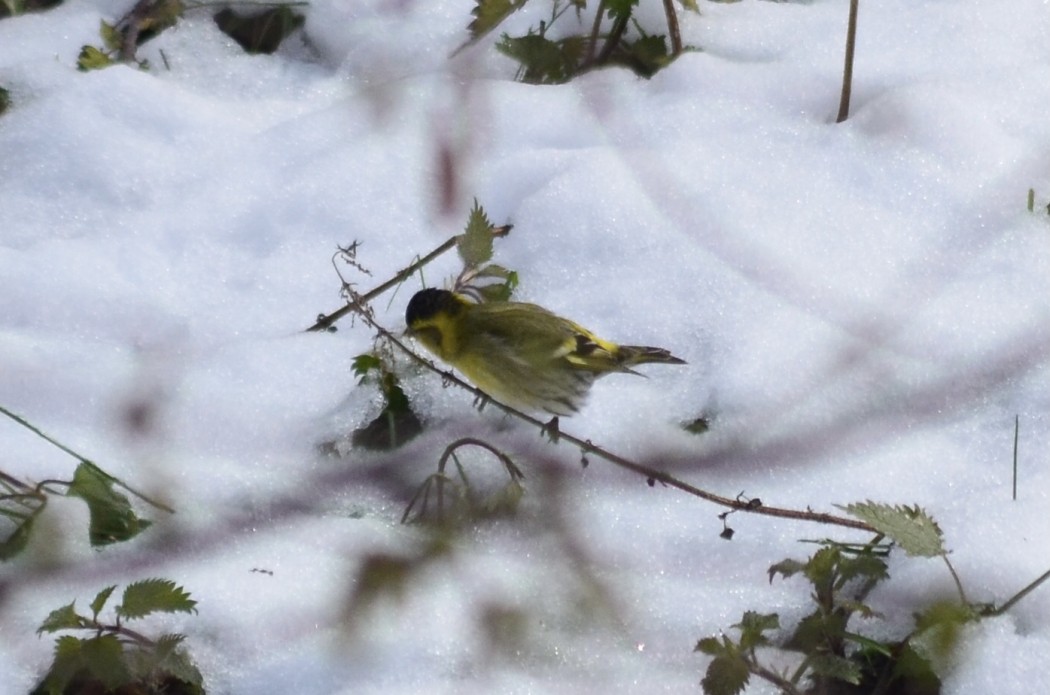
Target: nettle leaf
864,565
489,13
16,541
713,646
112,38
939,627
544,61
725,676
104,657
786,568
67,663
91,58
475,243
152,596
260,32
910,527
752,625
112,518
64,618
100,600
837,667
365,363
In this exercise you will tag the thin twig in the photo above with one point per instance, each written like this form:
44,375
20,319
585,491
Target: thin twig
672,27
325,322
652,475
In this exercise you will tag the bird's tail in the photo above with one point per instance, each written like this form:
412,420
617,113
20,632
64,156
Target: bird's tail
640,354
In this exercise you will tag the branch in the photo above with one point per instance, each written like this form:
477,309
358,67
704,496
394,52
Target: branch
325,322
652,475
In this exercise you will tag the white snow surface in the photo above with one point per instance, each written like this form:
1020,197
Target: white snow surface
864,306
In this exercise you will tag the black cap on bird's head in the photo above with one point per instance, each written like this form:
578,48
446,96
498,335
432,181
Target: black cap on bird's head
425,304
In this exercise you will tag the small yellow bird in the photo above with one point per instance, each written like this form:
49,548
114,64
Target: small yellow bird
520,354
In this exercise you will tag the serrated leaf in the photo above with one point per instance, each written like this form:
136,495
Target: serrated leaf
91,58
112,518
786,568
365,363
863,565
64,666
837,667
112,38
725,676
153,596
64,618
752,625
178,664
711,646
104,657
100,600
489,13
475,243
910,527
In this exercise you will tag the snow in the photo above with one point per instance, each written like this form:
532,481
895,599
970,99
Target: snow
862,306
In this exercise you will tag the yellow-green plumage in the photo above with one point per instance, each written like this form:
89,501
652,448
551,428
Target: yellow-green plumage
521,354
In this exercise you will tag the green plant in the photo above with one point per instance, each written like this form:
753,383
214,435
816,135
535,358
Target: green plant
834,658
615,38
112,657
112,517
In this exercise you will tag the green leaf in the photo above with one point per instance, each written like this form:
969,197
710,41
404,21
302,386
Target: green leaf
620,8
112,38
690,5
152,596
259,32
64,618
104,657
910,527
786,568
489,13
837,667
475,244
16,541
91,58
67,663
541,60
725,676
713,646
100,600
112,518
938,629
498,292
365,363
5,100
863,565
751,627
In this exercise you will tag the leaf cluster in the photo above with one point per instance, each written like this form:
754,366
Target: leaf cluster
112,517
615,39
258,32
113,658
396,423
834,658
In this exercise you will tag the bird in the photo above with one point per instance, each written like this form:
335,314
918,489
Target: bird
521,354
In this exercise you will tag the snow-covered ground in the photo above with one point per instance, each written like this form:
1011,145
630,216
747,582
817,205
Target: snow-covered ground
865,308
